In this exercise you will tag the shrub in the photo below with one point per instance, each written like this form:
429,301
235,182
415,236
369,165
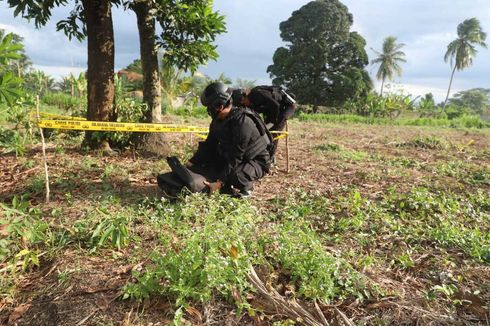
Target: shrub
428,142
462,122
12,142
191,111
128,110
23,233
65,102
208,244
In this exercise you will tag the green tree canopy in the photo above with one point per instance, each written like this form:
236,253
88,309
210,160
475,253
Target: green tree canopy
323,62
135,66
189,28
477,100
389,60
461,51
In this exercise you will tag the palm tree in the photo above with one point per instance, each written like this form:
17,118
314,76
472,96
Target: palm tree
389,60
461,51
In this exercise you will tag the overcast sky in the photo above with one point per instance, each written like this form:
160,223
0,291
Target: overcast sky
425,26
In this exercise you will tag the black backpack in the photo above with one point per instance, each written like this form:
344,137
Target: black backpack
266,140
278,94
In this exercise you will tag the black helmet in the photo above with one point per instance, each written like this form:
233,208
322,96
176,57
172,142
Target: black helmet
215,95
237,96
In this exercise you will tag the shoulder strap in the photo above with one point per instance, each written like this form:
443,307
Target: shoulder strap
265,141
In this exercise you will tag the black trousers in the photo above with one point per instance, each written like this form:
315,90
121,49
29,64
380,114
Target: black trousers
241,178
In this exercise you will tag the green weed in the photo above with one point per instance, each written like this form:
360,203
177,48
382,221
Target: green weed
88,164
462,122
111,229
208,241
23,234
113,173
401,161
343,153
465,172
36,184
12,141
318,274
428,142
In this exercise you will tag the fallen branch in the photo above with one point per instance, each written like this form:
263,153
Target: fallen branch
289,308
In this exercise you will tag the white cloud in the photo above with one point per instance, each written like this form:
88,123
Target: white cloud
59,71
426,27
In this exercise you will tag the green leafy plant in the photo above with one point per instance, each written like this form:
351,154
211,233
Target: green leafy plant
428,142
405,261
210,250
343,153
23,233
318,274
112,229
128,110
12,142
65,102
10,85
465,172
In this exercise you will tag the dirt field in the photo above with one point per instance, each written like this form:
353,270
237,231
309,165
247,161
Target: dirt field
77,286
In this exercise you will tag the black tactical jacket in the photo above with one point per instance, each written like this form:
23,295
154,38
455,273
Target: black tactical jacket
233,141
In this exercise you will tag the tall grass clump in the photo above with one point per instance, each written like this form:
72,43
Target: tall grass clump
64,102
461,122
199,112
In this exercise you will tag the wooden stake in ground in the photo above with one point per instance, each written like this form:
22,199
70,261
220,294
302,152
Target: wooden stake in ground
287,148
44,152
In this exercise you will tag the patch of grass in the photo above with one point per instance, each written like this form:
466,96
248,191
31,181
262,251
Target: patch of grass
330,147
88,164
104,227
208,241
24,236
113,172
462,122
211,244
401,161
315,272
191,111
445,219
415,218
465,172
36,184
428,142
344,154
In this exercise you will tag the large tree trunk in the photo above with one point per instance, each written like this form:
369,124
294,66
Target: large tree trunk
449,89
149,61
154,143
100,72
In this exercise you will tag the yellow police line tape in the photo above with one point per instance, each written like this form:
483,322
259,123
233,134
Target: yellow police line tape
126,127
117,126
